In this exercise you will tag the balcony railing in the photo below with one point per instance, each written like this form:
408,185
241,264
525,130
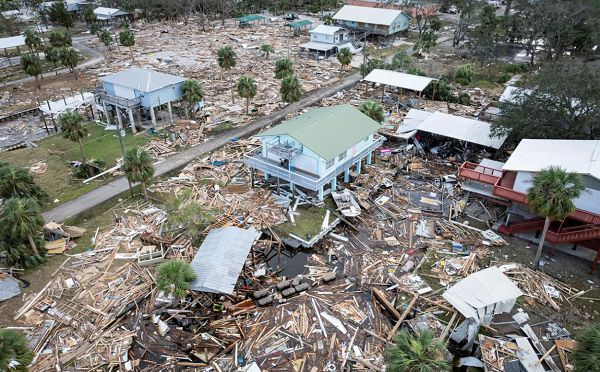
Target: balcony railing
123,102
255,160
488,175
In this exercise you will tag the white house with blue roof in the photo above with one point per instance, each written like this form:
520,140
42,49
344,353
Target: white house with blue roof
312,149
139,90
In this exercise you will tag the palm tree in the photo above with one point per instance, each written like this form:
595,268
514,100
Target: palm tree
175,275
226,60
283,67
30,63
17,182
89,15
328,19
417,353
372,109
106,38
32,40
551,196
464,75
246,89
124,24
21,216
137,166
95,29
266,50
344,57
71,126
586,356
52,55
127,39
57,39
290,90
69,57
14,354
192,94
18,252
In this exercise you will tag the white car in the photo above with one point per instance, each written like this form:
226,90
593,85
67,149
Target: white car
452,10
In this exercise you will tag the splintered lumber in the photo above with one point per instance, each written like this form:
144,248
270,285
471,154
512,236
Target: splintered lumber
402,317
562,346
380,296
538,345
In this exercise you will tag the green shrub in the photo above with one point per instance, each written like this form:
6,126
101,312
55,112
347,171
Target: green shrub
482,83
512,69
503,78
464,99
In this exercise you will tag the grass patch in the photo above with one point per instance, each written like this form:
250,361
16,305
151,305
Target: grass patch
308,222
390,51
12,73
413,37
58,180
226,125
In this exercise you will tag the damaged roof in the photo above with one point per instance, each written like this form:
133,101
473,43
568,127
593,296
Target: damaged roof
220,259
484,288
141,79
327,131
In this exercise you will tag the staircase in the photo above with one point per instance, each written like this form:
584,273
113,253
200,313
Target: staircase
521,226
574,234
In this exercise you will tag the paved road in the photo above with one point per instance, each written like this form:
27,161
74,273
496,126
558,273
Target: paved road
118,186
96,57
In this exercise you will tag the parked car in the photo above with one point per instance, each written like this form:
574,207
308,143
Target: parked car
452,10
495,3
290,16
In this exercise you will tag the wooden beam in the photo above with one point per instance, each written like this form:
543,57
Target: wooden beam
402,317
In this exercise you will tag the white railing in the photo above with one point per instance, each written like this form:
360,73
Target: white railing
255,160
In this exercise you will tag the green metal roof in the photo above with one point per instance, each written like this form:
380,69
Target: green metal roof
327,131
302,23
249,18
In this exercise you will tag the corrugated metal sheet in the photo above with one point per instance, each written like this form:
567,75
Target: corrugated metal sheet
326,30
314,45
461,128
399,79
483,294
374,16
529,355
327,131
141,79
220,259
12,42
412,120
579,156
9,287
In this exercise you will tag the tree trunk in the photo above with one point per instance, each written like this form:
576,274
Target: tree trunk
231,84
247,108
131,52
90,168
37,82
74,72
187,110
508,4
145,191
32,243
538,254
489,70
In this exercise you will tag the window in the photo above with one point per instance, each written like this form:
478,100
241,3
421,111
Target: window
342,155
367,139
329,164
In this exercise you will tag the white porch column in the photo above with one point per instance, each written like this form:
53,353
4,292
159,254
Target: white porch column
153,116
133,128
170,112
